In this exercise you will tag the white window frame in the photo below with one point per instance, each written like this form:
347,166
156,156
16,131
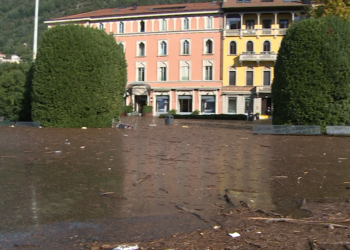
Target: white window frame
119,25
140,65
185,64
161,64
205,46
160,47
207,63
163,24
123,43
188,23
209,22
138,51
182,41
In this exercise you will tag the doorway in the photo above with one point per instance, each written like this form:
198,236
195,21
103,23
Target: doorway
140,101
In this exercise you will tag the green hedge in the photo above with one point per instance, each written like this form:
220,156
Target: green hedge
147,109
79,78
312,80
240,117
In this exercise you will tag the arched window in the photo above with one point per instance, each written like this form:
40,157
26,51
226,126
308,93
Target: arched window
186,48
267,46
142,26
121,27
233,48
142,49
163,48
250,46
208,47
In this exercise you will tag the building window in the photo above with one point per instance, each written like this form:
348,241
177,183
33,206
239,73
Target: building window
250,46
232,76
232,105
283,23
121,27
185,73
208,104
185,103
208,73
249,77
162,103
142,26
101,26
233,48
163,73
142,49
186,47
163,25
209,24
163,48
266,24
186,24
233,22
209,47
249,24
267,78
267,46
122,46
141,74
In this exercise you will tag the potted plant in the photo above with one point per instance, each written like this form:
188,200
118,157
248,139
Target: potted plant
147,110
257,115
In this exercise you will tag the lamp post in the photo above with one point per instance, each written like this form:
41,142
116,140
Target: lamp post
35,42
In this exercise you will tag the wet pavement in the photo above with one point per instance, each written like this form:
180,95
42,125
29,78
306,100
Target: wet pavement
62,188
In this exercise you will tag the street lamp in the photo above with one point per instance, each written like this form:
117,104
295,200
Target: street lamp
35,42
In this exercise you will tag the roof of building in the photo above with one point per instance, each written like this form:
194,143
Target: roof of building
262,3
144,10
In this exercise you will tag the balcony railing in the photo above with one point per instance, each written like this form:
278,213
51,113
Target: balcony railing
250,56
255,32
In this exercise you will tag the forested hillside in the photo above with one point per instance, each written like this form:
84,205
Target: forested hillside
17,18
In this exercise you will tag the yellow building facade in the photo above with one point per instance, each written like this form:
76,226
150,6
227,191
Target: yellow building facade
252,35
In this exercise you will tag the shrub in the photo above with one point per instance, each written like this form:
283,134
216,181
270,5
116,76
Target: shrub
79,78
196,112
172,112
312,80
147,109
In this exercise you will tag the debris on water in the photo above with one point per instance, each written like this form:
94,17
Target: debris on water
153,125
125,135
84,128
82,147
67,142
126,247
234,235
216,227
185,126
58,152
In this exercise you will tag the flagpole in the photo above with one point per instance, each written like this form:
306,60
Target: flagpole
35,42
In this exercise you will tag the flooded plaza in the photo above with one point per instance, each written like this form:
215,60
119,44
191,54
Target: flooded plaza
62,188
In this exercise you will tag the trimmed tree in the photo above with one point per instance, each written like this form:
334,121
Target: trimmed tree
312,74
79,78
13,89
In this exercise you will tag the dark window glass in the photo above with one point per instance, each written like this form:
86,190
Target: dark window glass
232,80
249,78
267,78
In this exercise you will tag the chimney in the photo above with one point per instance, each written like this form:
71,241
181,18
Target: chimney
134,6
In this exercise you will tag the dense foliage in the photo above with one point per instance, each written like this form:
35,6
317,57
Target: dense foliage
17,19
13,91
324,8
312,74
79,78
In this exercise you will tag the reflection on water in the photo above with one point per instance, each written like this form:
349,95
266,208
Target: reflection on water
123,185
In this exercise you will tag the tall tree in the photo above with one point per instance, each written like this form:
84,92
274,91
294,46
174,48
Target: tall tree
324,8
79,78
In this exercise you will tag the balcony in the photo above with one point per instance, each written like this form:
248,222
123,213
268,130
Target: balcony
250,56
254,32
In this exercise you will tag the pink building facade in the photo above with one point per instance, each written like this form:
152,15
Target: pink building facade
173,54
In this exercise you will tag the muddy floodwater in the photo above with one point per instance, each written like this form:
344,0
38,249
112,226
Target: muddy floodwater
62,188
